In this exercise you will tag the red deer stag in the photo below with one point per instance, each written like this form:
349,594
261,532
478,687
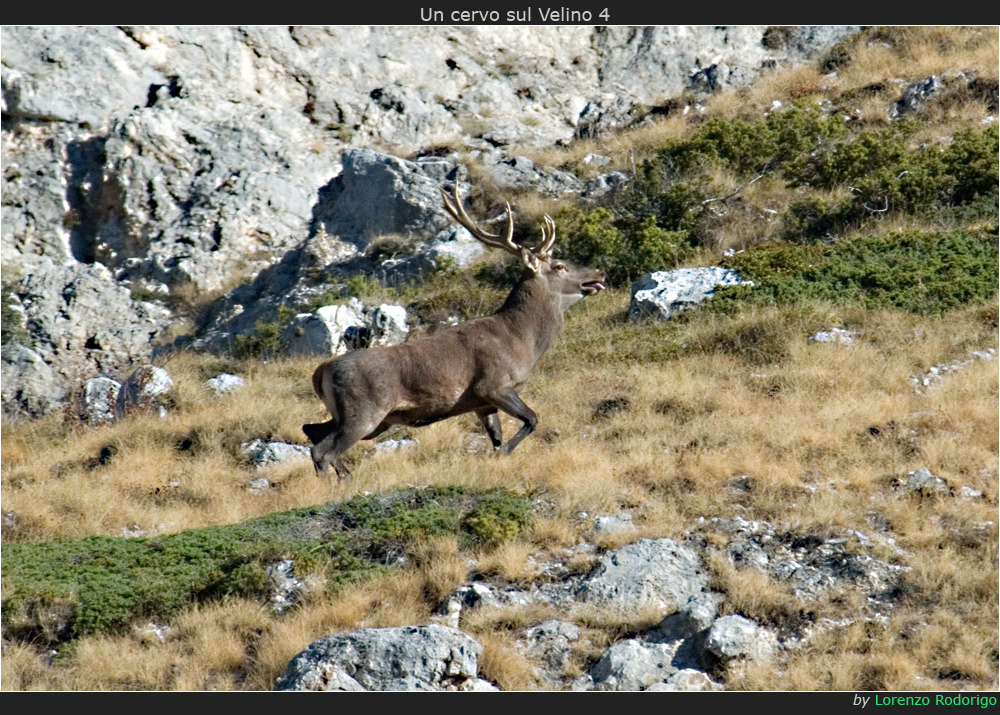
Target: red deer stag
475,366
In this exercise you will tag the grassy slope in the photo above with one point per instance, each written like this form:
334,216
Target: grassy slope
652,418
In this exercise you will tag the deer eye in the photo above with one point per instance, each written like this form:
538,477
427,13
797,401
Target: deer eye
559,266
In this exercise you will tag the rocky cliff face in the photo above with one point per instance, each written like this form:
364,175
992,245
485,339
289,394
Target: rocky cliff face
188,160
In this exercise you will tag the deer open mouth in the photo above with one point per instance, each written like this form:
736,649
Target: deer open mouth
592,287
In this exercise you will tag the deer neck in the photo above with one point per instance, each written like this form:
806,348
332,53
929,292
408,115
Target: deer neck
534,313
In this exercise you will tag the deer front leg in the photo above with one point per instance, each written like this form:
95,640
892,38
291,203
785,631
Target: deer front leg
508,400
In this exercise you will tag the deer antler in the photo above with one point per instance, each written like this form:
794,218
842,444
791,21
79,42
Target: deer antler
532,258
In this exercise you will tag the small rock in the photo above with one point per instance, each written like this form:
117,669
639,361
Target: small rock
226,382
152,633
738,637
970,493
263,453
613,524
687,680
145,389
666,293
97,403
834,335
633,665
925,482
391,445
259,485
593,159
285,588
406,658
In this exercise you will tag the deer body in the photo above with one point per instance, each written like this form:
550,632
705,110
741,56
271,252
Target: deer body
475,366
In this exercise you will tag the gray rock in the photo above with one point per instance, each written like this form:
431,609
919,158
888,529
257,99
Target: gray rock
603,185
634,665
686,680
406,658
82,323
916,95
925,482
388,325
738,637
335,329
99,399
29,388
380,195
520,174
224,383
837,336
551,642
613,524
205,146
968,492
657,573
144,390
323,333
263,453
259,485
937,373
665,293
285,588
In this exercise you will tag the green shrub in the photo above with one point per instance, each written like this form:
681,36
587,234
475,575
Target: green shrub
885,176
58,590
623,247
266,337
928,272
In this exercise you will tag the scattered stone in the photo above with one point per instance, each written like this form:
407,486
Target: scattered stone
613,524
263,453
224,383
633,665
391,445
657,573
603,185
923,481
551,642
665,293
323,333
406,658
152,633
738,637
593,159
933,376
145,389
285,588
837,336
388,325
687,680
99,399
335,329
970,493
259,485
519,174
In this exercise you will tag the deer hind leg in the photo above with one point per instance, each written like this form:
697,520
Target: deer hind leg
508,400
340,437
491,421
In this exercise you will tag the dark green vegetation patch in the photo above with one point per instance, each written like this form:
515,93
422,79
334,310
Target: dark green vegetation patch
927,273
58,590
841,177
